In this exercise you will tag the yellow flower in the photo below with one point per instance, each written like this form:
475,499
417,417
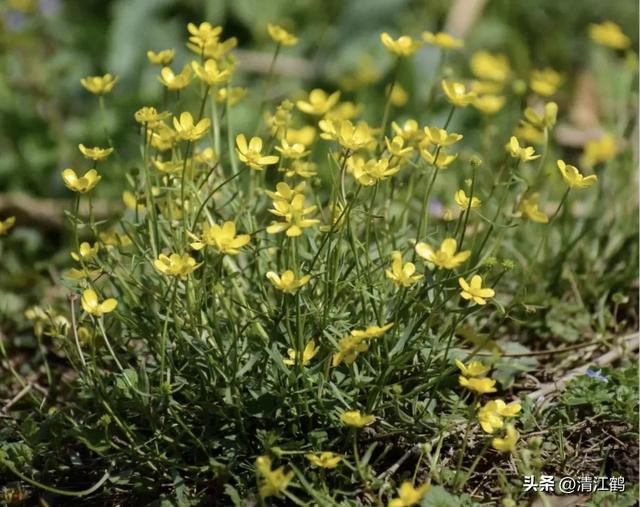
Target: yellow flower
440,161
599,150
6,224
309,352
349,136
529,207
319,102
286,193
397,147
440,137
473,369
402,46
508,443
371,331
173,81
187,130
90,304
490,66
86,251
288,282
304,135
491,414
168,166
372,171
99,85
479,385
176,264
402,274
251,154
398,96
609,34
295,150
211,73
574,178
489,104
281,36
408,495
164,57
301,168
325,459
95,153
150,115
474,291
203,34
348,349
293,214
82,184
222,238
274,482
409,131
231,95
545,82
446,257
462,200
546,120
356,419
456,93
443,40
529,133
524,153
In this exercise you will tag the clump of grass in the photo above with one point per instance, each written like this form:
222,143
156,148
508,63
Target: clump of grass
279,313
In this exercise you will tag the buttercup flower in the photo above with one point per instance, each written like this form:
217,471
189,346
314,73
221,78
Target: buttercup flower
99,85
288,282
529,207
348,349
356,419
440,137
293,214
293,151
309,352
80,184
223,238
281,36
397,147
349,136
546,120
90,303
462,200
457,94
231,94
490,66
410,131
6,224
402,46
203,34
187,130
599,150
164,57
325,459
409,495
251,154
304,135
489,104
440,161
491,415
446,257
273,482
574,178
86,251
175,82
474,291
609,34
319,102
545,82
372,171
443,40
176,264
479,385
473,369
150,115
211,73
508,443
95,153
525,154
402,274
371,331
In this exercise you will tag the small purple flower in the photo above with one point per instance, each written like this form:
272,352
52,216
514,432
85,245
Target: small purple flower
596,374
